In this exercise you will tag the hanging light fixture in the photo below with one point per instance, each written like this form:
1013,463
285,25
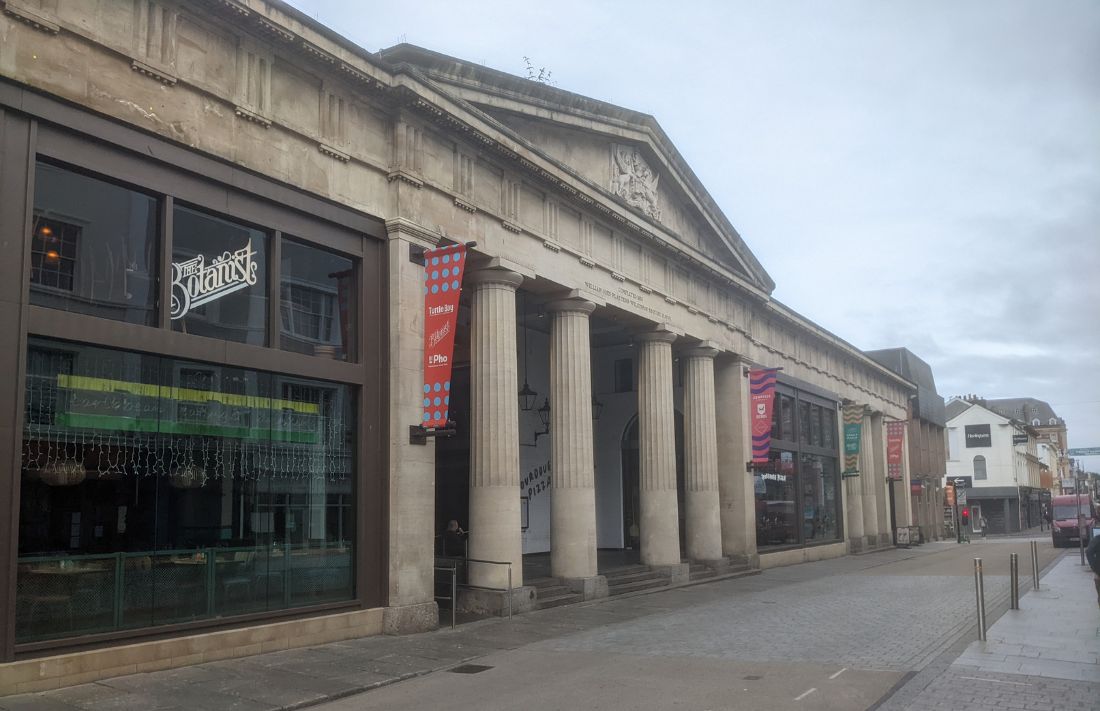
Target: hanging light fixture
597,408
526,394
64,472
188,476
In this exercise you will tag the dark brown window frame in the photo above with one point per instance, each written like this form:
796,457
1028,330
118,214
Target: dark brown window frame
33,126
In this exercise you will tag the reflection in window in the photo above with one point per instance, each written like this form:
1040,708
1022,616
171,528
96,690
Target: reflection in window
317,294
93,247
219,278
156,490
817,475
776,499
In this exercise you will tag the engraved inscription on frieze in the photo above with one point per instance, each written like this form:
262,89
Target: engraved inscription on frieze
633,180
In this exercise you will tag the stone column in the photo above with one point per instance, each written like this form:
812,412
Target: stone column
870,482
737,502
902,489
660,521
901,498
494,428
703,524
573,492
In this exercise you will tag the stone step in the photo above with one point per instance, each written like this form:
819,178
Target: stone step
620,578
625,570
568,598
543,583
648,584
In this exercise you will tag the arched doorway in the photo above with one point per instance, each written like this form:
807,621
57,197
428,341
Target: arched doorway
631,469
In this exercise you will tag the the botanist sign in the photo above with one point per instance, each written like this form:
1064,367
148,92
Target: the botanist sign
194,282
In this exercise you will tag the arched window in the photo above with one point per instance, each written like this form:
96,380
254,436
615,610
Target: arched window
979,467
1054,420
1036,422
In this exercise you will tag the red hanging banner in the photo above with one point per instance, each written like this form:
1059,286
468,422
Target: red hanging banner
443,269
895,443
761,400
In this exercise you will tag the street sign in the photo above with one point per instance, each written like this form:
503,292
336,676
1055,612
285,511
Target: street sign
1084,452
960,497
1019,439
962,482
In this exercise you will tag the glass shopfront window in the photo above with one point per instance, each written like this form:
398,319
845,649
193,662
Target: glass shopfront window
219,278
317,301
798,491
93,247
156,490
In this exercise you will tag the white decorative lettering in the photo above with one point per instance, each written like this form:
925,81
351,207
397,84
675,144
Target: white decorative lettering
195,283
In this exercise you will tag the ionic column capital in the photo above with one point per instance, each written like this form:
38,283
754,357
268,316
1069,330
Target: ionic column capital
655,337
494,277
701,352
570,305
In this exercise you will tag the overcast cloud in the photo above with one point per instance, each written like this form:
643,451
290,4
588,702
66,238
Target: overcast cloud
915,173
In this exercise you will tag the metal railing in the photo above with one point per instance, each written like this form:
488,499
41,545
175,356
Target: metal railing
454,589
507,591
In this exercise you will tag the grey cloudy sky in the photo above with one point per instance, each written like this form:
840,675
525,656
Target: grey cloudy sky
910,173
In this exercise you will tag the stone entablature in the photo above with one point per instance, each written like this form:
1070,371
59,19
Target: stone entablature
259,86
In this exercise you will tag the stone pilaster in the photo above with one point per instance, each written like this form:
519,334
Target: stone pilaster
735,486
494,429
573,492
411,597
902,489
660,521
703,525
871,484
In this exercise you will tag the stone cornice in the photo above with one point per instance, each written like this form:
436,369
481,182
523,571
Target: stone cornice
400,227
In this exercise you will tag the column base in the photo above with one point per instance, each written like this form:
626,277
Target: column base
480,601
872,541
679,573
855,545
885,539
410,619
590,588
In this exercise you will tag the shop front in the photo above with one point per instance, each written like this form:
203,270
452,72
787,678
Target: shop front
798,500
196,440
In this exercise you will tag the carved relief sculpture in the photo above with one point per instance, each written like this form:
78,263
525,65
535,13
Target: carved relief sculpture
633,180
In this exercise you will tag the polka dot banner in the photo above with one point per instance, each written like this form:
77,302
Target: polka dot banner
443,270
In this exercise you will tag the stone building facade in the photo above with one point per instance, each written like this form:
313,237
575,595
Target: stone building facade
213,213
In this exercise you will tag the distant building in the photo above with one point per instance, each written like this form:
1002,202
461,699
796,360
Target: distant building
998,456
1050,429
926,438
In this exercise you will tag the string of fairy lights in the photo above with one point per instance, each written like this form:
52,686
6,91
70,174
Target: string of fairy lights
71,435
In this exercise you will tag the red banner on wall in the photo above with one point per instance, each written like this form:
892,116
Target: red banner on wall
443,270
761,401
895,442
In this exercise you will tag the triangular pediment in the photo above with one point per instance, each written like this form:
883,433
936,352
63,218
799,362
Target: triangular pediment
623,155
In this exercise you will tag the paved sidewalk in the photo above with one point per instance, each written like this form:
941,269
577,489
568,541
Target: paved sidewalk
1045,655
303,677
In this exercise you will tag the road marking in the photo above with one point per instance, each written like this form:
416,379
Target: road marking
804,694
833,676
995,681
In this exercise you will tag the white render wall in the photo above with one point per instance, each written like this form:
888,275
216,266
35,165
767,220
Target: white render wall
1000,458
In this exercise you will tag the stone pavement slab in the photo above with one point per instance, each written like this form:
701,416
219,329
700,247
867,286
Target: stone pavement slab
1044,656
813,613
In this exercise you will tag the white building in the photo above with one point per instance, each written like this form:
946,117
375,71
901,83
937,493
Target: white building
997,457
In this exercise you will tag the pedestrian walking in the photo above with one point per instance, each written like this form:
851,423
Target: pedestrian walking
982,523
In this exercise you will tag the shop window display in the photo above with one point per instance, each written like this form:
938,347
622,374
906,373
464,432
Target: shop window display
156,490
797,491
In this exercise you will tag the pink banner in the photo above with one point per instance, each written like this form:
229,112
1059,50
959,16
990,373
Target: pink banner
895,443
761,401
443,269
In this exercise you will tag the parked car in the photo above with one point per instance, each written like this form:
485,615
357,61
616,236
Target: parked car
1064,525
